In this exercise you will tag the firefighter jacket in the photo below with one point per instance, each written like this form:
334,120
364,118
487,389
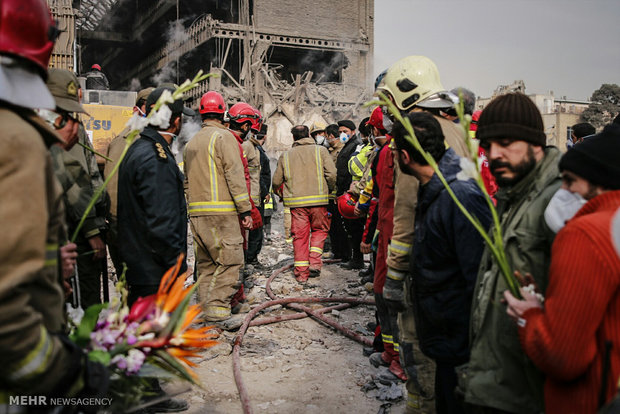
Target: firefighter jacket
152,214
252,154
216,182
32,357
405,201
344,179
357,163
77,190
308,174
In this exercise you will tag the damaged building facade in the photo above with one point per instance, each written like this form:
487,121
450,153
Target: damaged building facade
297,62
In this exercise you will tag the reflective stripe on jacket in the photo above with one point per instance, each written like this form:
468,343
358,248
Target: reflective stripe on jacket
308,174
214,173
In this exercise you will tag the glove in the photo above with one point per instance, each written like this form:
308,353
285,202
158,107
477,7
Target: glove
394,294
257,220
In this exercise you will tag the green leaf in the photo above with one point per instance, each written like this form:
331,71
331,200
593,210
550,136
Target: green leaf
154,370
100,356
81,336
176,367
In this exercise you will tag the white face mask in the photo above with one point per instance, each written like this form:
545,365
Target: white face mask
562,207
344,137
319,139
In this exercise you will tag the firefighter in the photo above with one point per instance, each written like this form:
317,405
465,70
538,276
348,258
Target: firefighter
35,356
72,170
308,174
96,79
217,194
413,84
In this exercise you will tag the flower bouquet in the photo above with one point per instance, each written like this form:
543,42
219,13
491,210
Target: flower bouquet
152,339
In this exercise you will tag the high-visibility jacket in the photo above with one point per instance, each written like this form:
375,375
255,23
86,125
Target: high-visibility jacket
214,172
252,154
358,162
308,173
32,358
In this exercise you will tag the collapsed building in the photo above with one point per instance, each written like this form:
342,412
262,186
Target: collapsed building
297,62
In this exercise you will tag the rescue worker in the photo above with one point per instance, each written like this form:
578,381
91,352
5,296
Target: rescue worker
36,358
113,152
265,185
317,132
413,84
96,79
306,174
152,215
337,233
72,171
253,155
499,376
219,200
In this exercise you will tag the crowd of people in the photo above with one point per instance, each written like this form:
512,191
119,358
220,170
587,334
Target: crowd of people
442,303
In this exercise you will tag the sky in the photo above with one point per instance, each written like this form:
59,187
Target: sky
570,47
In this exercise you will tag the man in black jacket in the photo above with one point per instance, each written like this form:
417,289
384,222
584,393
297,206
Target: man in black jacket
354,228
446,253
152,214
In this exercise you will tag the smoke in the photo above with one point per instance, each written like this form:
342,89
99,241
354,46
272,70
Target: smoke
175,37
324,66
135,84
167,74
191,125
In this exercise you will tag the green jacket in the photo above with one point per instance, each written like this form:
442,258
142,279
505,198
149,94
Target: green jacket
499,374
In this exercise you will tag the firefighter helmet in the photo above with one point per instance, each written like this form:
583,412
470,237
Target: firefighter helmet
473,126
212,103
96,66
27,30
414,80
317,127
376,119
258,122
241,113
346,206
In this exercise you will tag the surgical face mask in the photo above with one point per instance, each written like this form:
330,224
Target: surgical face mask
562,207
173,136
387,121
344,137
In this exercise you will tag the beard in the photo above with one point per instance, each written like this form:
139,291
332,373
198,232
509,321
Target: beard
404,168
519,170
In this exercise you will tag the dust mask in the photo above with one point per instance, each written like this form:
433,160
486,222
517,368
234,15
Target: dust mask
344,137
562,207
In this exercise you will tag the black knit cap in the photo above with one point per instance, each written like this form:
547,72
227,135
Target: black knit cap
596,158
512,116
347,123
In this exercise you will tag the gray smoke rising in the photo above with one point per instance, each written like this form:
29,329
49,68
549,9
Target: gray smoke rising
175,37
135,84
191,125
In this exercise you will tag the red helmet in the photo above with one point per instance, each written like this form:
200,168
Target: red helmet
346,206
27,30
212,103
96,66
242,112
474,120
376,119
258,122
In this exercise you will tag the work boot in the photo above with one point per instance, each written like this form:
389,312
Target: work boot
315,272
377,360
301,279
353,264
396,369
387,377
366,272
230,324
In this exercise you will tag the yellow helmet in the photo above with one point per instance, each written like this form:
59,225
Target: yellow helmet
414,80
317,127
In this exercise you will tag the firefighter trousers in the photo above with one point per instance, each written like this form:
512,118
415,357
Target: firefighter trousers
309,226
219,258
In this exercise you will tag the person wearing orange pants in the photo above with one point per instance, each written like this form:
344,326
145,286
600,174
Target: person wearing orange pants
309,225
304,177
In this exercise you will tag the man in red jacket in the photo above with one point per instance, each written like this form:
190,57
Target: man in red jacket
575,338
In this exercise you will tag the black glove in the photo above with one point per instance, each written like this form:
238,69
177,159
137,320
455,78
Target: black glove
394,294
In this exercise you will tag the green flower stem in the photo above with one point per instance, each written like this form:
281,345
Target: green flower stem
95,152
495,244
177,94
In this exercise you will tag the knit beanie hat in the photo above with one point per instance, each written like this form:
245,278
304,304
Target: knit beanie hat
513,116
596,158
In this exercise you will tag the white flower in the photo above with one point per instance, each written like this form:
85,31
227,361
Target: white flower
161,118
532,289
135,359
75,315
166,97
474,144
468,170
137,122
